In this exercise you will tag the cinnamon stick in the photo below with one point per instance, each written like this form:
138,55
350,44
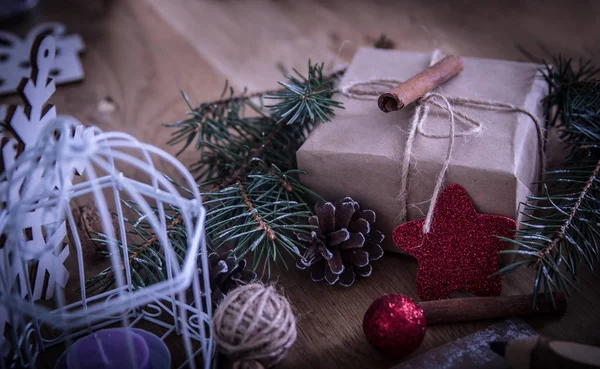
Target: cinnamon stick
417,86
480,308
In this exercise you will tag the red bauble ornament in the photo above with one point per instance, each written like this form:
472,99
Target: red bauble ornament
395,325
460,252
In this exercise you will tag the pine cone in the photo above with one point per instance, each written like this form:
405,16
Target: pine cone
343,245
89,228
225,274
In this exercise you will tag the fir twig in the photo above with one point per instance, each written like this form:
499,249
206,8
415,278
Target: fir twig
258,215
261,224
562,231
304,98
145,258
256,152
561,226
247,173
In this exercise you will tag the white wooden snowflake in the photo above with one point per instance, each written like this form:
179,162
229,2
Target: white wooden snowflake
14,56
43,234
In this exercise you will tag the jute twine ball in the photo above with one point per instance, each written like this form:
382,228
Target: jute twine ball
254,326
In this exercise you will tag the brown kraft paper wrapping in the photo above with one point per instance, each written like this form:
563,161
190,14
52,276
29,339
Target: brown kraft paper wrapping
358,154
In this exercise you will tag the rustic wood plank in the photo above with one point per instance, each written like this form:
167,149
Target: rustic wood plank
141,52
134,59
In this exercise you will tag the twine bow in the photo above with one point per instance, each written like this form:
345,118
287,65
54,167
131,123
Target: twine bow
371,90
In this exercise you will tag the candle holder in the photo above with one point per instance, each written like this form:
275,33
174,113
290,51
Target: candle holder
109,348
51,164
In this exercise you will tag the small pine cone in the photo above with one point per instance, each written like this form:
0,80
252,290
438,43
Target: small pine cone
89,228
225,274
343,244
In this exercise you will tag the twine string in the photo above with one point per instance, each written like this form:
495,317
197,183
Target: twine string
254,323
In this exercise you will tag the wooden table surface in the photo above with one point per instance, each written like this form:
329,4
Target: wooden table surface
141,52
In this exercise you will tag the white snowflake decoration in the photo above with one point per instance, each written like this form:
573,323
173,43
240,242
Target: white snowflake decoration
14,56
40,232
37,190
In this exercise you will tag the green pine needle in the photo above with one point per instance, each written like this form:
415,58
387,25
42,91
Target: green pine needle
304,99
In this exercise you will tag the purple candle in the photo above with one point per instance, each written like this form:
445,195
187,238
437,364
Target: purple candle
113,348
110,349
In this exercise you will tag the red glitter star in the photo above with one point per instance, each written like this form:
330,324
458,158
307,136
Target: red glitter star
460,251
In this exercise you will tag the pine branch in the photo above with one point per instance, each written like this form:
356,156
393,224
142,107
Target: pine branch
572,92
561,227
209,121
145,258
304,98
562,232
256,152
257,216
262,150
247,170
234,100
261,224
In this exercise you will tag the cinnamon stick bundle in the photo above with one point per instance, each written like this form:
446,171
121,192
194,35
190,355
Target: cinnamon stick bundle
417,86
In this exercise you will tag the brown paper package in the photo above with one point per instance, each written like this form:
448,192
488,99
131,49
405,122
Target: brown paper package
358,153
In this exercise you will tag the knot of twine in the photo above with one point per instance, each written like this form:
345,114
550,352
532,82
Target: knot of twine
371,90
254,323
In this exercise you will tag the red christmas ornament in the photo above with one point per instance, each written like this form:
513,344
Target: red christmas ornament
395,325
460,251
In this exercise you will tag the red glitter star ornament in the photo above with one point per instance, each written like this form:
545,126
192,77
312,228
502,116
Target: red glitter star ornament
460,251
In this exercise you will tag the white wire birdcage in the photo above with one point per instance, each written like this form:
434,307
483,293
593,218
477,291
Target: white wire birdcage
37,194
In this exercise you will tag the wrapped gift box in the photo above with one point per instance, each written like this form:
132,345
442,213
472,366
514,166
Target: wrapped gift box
359,153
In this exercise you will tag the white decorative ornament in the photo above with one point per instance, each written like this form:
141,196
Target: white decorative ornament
28,126
37,191
14,56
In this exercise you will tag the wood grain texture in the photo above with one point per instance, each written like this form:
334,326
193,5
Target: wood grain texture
141,52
